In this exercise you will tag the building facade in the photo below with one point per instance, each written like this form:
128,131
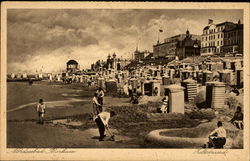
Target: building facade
140,55
170,47
112,63
233,39
213,37
188,47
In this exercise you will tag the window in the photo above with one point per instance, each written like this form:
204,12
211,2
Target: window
206,38
218,43
218,36
214,30
221,35
221,43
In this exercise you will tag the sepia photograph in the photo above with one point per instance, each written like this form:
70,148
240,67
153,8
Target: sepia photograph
124,78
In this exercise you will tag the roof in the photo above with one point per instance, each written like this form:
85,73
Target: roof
223,23
189,42
220,24
200,59
132,64
205,28
236,27
72,62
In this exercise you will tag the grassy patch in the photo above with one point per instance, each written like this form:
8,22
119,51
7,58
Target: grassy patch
132,120
201,114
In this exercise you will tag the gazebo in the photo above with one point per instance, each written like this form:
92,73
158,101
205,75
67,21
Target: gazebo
72,66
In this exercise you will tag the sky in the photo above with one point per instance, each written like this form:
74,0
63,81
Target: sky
45,39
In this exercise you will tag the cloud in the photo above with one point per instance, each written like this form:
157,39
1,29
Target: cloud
48,38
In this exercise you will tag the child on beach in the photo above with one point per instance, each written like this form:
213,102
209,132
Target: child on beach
97,107
100,95
41,111
164,106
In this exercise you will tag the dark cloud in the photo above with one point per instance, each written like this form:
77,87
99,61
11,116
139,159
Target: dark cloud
26,37
74,32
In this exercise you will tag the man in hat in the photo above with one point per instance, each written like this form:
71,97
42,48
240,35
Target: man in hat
102,121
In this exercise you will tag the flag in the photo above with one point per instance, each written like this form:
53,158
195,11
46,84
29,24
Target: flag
160,30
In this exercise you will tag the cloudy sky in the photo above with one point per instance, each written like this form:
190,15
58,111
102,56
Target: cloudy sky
47,38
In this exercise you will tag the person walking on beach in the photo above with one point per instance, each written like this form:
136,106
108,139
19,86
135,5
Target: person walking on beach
41,111
97,107
217,138
102,121
100,95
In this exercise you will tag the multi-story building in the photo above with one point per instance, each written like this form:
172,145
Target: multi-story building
213,36
112,63
233,39
169,48
188,47
140,55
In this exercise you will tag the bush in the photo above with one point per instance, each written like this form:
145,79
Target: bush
129,113
201,114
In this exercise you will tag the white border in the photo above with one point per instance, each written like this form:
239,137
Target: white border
125,154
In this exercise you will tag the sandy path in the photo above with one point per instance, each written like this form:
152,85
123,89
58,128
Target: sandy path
32,135
50,104
67,103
